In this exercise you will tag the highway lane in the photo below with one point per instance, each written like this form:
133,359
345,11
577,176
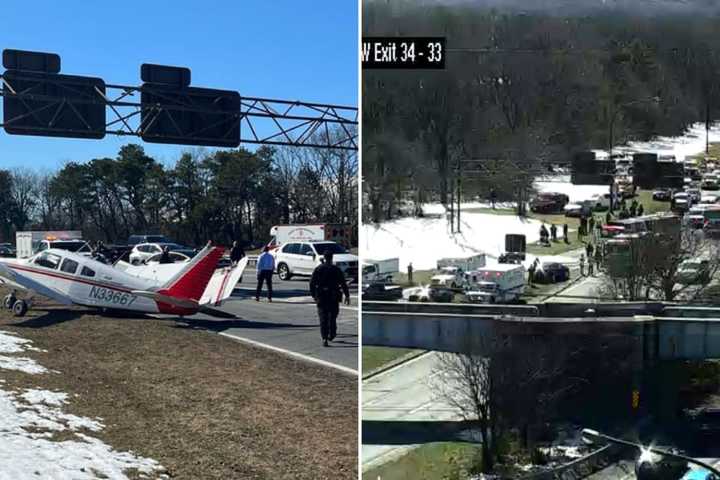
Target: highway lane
407,392
288,325
584,291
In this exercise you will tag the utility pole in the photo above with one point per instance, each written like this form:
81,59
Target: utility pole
452,208
459,191
707,128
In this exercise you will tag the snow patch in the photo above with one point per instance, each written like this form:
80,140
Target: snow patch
28,421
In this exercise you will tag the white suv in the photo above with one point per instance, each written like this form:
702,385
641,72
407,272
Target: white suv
301,258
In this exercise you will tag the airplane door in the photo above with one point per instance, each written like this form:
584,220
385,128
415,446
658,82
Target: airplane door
77,291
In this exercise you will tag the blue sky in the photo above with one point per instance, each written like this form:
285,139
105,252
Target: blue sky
292,50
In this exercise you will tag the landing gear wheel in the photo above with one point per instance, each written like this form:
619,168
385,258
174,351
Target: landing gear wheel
284,272
9,301
19,308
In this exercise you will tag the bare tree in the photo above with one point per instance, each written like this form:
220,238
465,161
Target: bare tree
663,267
498,386
25,195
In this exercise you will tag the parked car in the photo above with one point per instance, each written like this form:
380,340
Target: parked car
710,183
552,272
381,292
301,258
143,251
694,194
440,294
681,202
694,271
7,251
549,202
175,257
709,198
662,194
576,210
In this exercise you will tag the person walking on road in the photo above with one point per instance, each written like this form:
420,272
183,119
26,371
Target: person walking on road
565,233
589,250
236,253
553,232
598,258
327,286
582,264
410,272
265,269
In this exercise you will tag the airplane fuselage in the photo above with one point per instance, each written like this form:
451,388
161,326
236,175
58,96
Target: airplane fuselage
90,283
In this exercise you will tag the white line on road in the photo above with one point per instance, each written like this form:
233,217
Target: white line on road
290,353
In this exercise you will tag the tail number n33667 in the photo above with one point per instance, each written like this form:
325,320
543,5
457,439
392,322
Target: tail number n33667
112,296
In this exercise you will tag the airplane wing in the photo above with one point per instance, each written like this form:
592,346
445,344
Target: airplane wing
222,284
16,279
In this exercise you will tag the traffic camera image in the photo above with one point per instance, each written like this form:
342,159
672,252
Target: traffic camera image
539,240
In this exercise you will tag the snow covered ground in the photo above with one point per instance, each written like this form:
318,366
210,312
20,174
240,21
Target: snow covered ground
423,241
30,418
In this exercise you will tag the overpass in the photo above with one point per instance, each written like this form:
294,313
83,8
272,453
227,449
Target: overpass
657,331
649,341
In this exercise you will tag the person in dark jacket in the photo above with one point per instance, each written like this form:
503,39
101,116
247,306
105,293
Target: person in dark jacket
565,233
165,257
553,232
236,253
640,210
327,287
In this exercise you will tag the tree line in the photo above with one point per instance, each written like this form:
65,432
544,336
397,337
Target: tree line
524,90
222,195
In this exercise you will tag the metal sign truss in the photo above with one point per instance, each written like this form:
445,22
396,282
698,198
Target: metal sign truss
261,121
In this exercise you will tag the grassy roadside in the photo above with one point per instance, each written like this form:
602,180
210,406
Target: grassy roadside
376,357
432,461
201,404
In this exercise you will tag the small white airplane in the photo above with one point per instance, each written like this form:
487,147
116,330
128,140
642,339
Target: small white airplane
73,279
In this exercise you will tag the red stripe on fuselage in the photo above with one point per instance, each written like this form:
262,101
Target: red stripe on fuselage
67,277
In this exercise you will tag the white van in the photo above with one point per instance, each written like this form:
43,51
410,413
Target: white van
500,283
379,271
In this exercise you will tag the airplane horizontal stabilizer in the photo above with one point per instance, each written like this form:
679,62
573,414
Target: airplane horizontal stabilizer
159,297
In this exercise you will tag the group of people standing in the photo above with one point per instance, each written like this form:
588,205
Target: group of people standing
546,235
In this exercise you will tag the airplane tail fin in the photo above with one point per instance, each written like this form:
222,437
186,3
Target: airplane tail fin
190,282
222,284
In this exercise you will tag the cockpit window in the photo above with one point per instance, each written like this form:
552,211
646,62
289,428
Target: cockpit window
69,266
87,272
48,260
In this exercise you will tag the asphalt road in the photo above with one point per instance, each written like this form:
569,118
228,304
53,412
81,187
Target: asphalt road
289,324
407,392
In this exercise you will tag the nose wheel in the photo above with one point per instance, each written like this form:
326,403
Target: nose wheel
9,301
20,308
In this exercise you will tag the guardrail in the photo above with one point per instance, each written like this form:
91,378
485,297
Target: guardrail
582,467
